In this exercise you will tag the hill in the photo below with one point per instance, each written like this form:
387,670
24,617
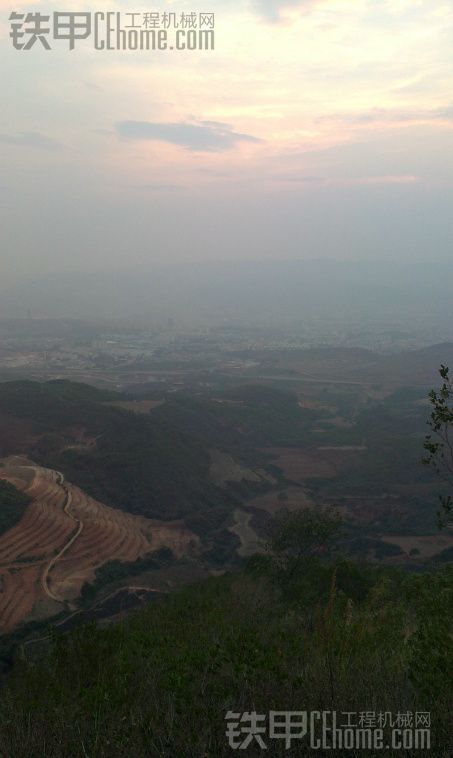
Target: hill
200,475
156,465
63,538
84,483
162,682
13,504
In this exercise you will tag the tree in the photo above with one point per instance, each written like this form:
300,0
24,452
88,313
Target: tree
439,445
301,535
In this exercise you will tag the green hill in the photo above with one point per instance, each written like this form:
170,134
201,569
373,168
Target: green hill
155,465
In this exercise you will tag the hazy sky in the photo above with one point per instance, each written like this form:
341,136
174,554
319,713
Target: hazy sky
317,128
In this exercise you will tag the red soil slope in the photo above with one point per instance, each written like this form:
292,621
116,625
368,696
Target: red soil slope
63,537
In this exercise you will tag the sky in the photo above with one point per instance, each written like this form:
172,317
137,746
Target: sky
314,129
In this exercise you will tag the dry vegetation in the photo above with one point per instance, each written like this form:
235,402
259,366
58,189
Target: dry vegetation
59,543
300,464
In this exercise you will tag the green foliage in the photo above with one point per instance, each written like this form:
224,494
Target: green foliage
267,416
52,405
431,645
115,571
13,505
156,465
160,683
439,449
296,537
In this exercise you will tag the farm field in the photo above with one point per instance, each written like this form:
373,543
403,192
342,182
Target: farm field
63,537
300,464
181,489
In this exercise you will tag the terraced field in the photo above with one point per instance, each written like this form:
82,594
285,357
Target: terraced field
63,537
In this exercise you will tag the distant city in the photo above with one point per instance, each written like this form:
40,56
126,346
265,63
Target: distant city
118,354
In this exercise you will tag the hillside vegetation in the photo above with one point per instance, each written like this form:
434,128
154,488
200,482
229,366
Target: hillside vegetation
159,684
156,465
357,450
13,505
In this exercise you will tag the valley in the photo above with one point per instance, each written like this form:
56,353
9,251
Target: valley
153,486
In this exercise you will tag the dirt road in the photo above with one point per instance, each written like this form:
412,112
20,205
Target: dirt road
48,568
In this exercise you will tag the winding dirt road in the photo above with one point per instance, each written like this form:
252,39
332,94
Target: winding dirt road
62,539
48,568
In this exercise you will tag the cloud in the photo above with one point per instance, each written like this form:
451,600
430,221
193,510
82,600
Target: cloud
203,136
377,180
393,117
371,180
91,85
298,178
30,139
379,115
273,10
156,187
